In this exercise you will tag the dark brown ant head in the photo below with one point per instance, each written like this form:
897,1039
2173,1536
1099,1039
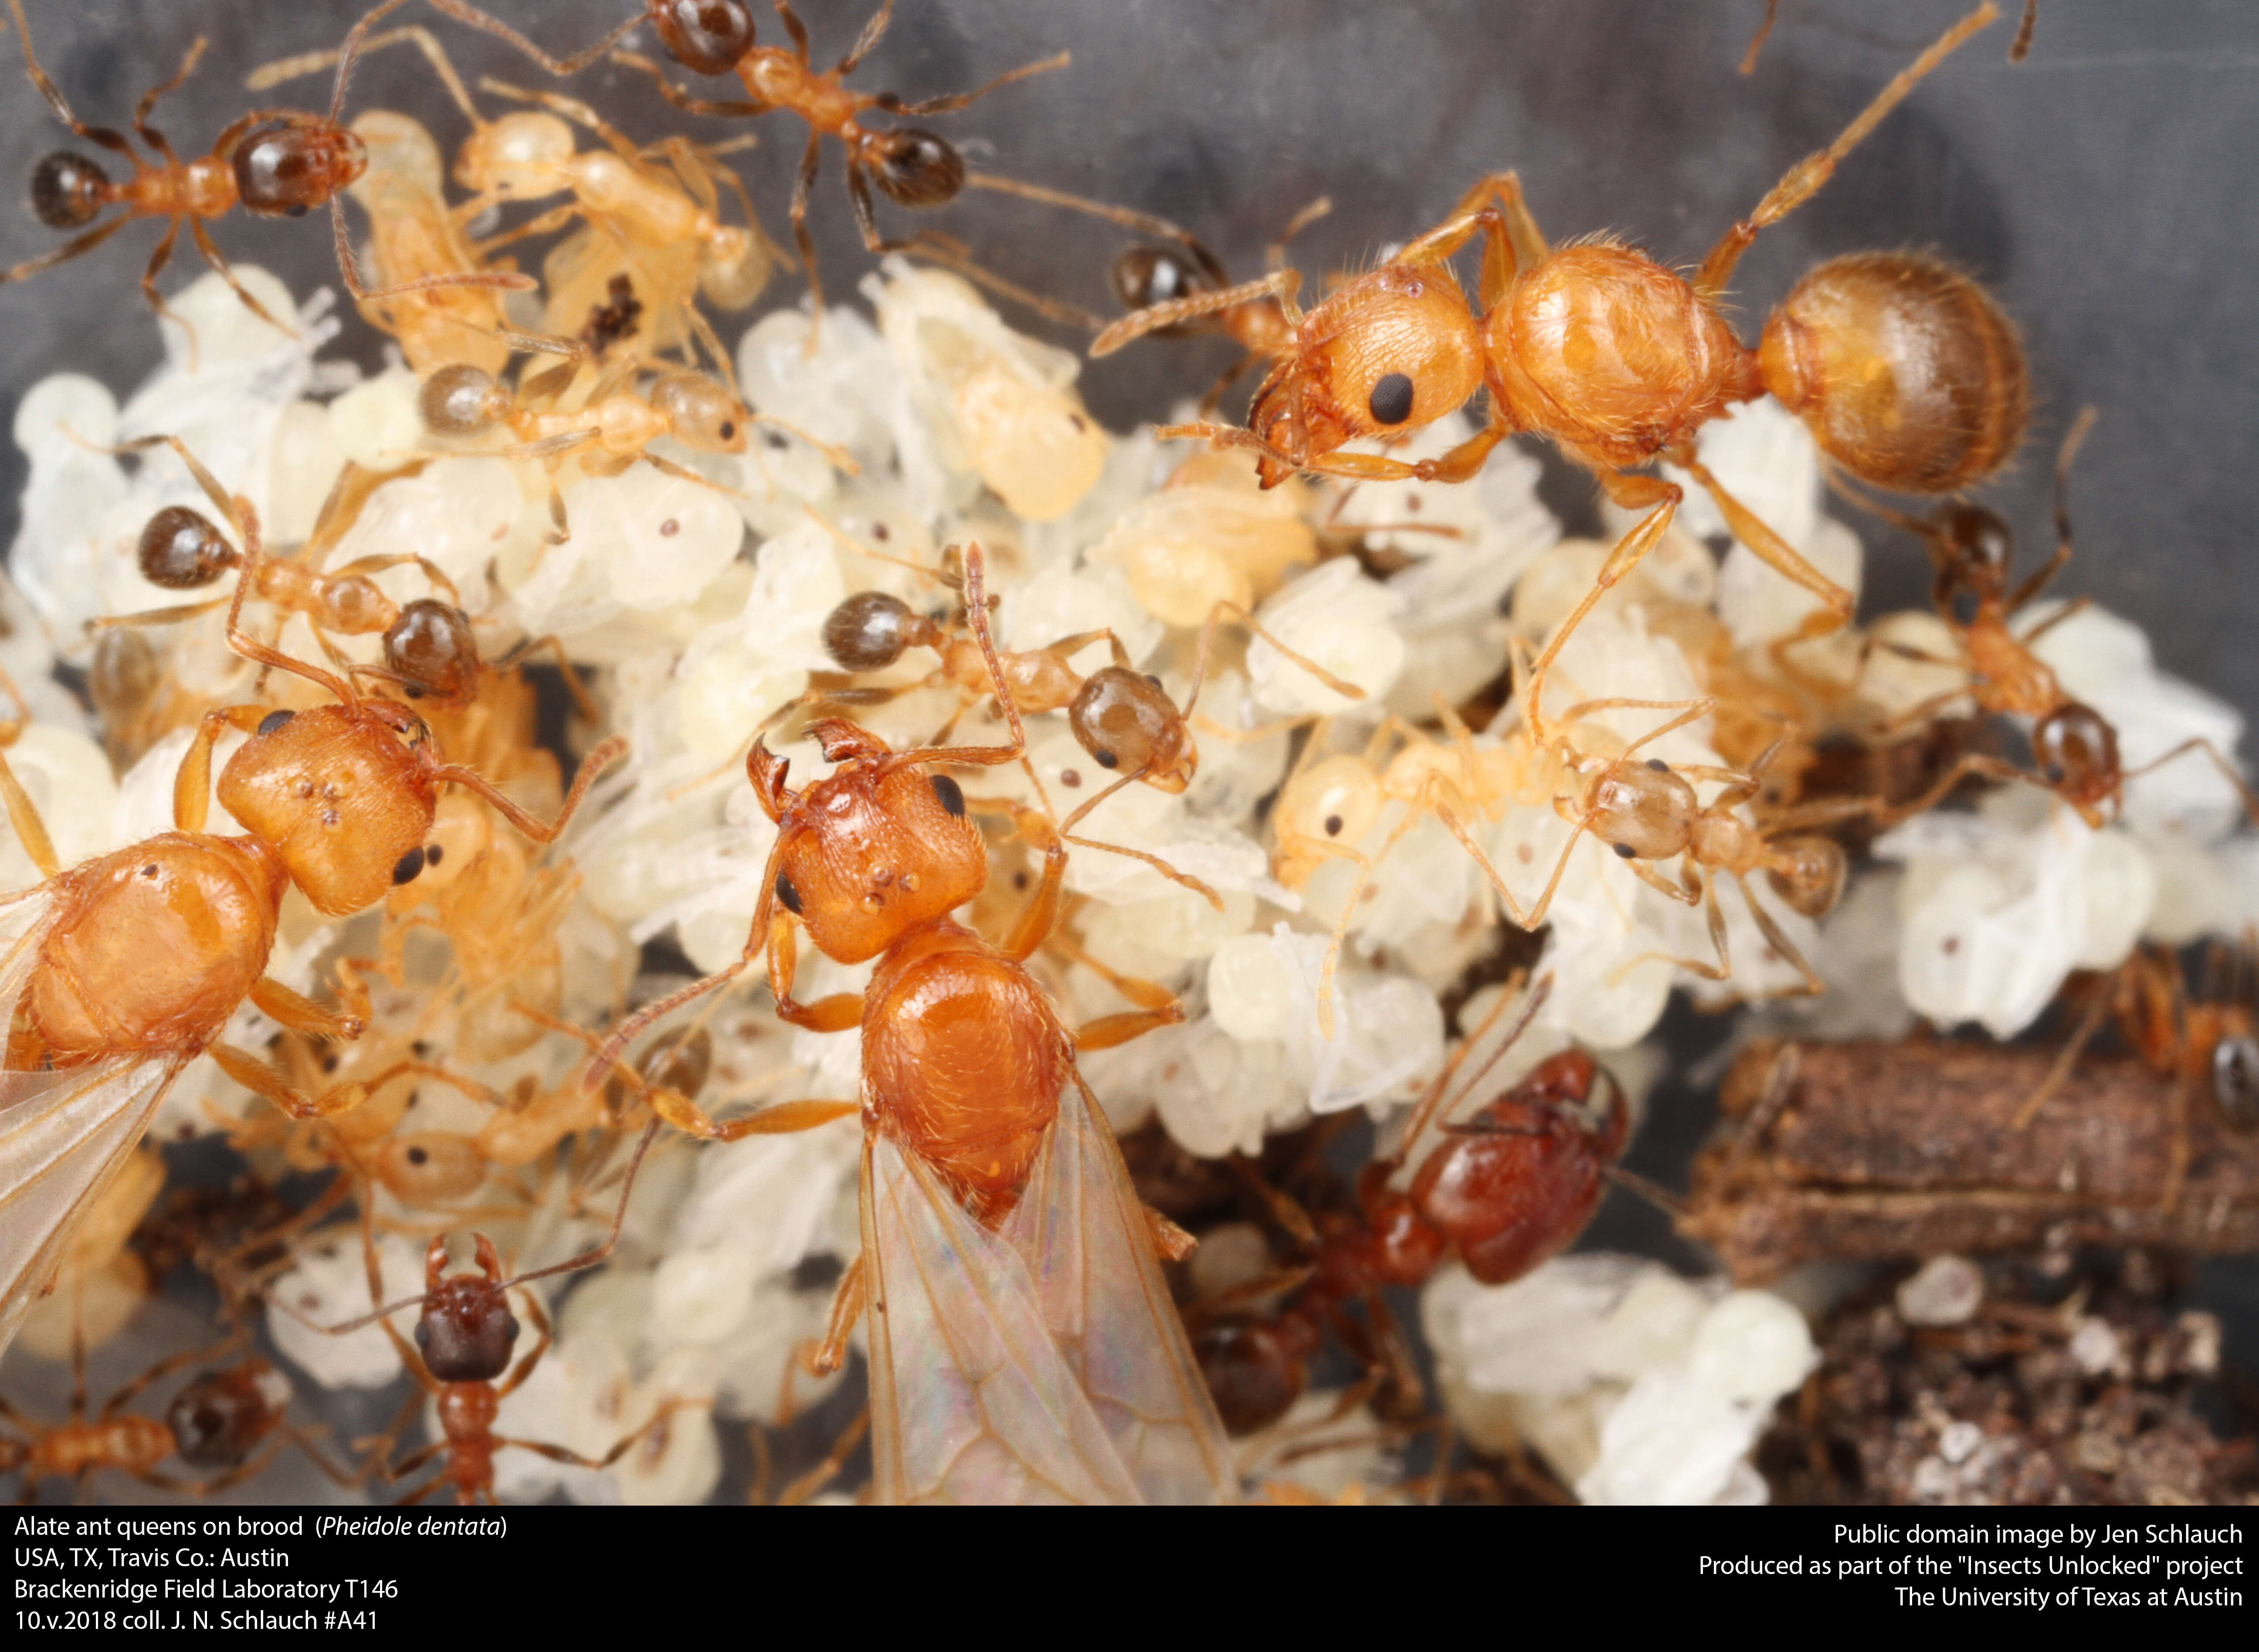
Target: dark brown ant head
466,1330
461,401
1254,1371
1973,548
68,190
1144,276
914,167
1951,408
2077,750
1641,809
1129,725
184,550
701,414
2235,1082
680,1060
219,1419
1517,1182
1808,873
707,37
430,648
875,848
870,630
345,793
1392,350
287,167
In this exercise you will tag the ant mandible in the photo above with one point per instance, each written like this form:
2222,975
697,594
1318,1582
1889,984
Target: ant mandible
911,166
130,966
1906,371
274,162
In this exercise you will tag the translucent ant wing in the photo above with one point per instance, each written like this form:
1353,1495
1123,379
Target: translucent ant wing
970,1399
63,1135
1083,1233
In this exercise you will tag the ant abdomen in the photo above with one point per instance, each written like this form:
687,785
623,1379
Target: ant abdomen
1254,1371
914,167
182,550
461,400
1951,407
285,169
707,37
1808,873
219,1419
870,630
1145,276
68,190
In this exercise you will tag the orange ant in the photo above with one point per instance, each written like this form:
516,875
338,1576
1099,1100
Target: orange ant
995,1204
2075,747
911,167
122,971
276,163
1906,371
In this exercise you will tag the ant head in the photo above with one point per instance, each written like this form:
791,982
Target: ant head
68,190
700,413
461,401
522,155
345,793
1144,276
1906,372
1254,1371
1334,800
1808,873
2235,1082
734,267
914,167
287,167
1392,350
466,1330
2077,750
1129,725
184,550
874,849
430,649
870,630
219,1418
707,37
1973,548
1641,809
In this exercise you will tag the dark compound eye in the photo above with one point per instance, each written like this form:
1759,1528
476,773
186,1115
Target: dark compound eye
431,852
274,719
1391,402
1107,759
1626,851
1659,766
786,894
952,795
409,865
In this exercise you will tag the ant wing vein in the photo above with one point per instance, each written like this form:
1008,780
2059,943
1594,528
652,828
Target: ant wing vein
1082,1231
971,1401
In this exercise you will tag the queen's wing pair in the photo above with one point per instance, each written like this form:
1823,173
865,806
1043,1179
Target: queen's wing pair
1043,1363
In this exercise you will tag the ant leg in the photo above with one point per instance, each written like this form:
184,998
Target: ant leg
872,32
796,29
1212,402
1643,536
1281,284
1777,938
683,100
835,1014
2072,441
2066,1061
2069,610
1128,218
217,260
1803,179
1157,1005
157,259
1969,763
1040,917
1274,255
847,1303
803,186
261,1079
102,135
192,783
302,1014
1723,969
66,251
463,12
824,1473
950,105
1757,40
540,831
951,254
2219,760
147,106
1783,557
31,830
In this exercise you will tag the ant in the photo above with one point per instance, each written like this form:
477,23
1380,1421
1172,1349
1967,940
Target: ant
130,966
276,163
1906,371
1512,1186
911,166
2019,49
2075,746
995,1204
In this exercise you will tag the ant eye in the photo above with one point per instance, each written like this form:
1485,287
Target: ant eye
1333,824
1659,766
1107,759
786,894
424,1333
274,719
1625,851
951,793
431,855
1391,402
409,864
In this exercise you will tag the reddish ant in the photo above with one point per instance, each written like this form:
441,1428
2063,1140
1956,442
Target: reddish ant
911,167
122,971
2075,747
274,162
999,1223
1512,1187
1906,371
